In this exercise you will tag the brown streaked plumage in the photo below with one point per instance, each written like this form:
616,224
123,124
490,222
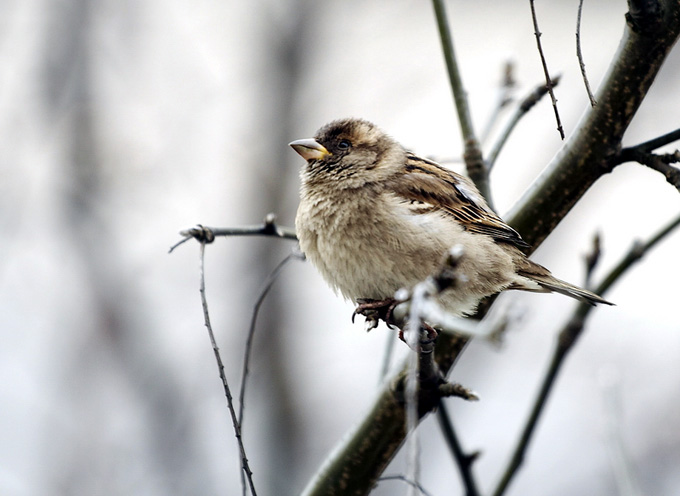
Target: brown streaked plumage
373,218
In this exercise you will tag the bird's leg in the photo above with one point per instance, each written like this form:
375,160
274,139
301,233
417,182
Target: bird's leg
375,310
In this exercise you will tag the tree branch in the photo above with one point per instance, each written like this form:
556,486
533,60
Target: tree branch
206,234
662,164
269,282
245,467
642,154
548,83
588,152
463,460
655,143
356,464
472,155
579,56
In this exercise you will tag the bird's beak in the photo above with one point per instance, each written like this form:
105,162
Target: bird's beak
309,149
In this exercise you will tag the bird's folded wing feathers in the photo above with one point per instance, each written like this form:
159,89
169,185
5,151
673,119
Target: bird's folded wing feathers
442,190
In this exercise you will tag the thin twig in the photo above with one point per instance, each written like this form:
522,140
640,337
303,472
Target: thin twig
410,482
207,234
642,153
567,338
464,461
655,143
455,79
472,155
220,367
269,282
548,82
579,55
662,163
527,104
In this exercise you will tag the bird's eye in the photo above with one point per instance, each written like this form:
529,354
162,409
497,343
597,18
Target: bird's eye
344,144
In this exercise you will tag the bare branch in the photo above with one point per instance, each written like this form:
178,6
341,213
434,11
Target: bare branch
472,155
206,234
372,443
463,460
579,55
566,340
589,152
642,154
656,143
269,282
245,467
455,80
662,164
548,82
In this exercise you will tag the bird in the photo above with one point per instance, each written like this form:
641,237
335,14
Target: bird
374,218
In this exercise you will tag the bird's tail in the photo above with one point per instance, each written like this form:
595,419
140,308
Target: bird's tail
547,282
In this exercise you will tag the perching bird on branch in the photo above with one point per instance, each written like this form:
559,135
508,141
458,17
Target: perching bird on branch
374,218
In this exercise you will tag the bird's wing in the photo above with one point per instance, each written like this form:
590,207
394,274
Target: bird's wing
432,188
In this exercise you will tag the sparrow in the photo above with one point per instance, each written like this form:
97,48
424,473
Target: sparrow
374,218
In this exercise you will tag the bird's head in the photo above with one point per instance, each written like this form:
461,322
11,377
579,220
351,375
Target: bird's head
348,153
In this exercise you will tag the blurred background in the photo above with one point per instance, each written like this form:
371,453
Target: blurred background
125,122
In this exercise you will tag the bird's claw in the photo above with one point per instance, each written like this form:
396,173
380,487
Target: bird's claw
374,311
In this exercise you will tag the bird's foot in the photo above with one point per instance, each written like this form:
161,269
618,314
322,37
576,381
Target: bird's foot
374,311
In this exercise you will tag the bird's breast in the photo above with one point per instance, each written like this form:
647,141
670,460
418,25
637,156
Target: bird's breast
369,246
